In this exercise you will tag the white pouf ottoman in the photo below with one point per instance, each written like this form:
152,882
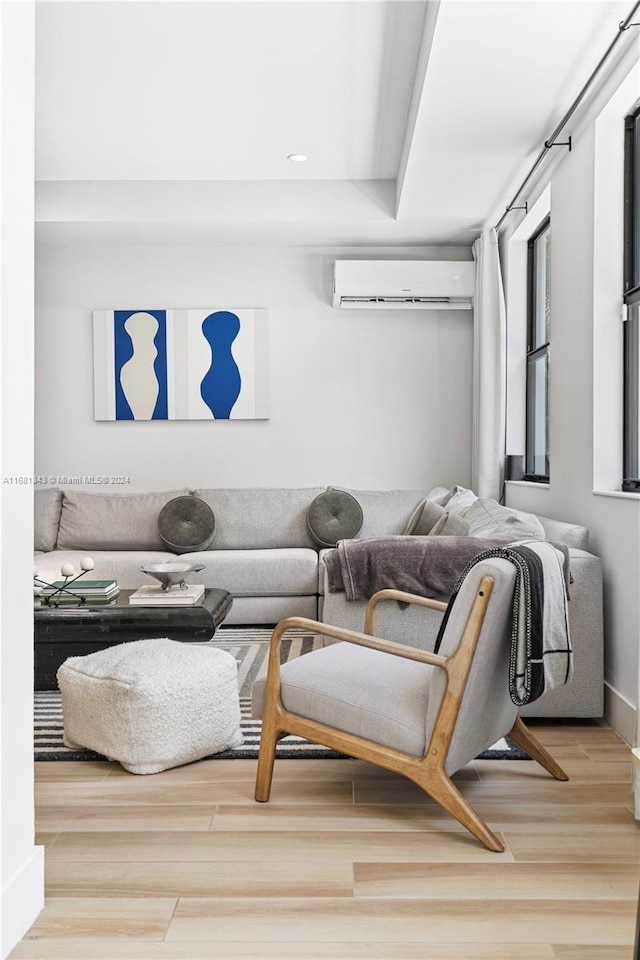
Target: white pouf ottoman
151,704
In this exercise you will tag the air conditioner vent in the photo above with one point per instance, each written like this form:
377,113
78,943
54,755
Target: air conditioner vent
404,284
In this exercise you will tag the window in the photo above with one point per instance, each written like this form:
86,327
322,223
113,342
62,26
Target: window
538,332
631,439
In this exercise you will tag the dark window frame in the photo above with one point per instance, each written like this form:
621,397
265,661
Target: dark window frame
631,297
535,352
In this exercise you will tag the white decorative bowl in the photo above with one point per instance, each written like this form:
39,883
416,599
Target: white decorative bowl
170,574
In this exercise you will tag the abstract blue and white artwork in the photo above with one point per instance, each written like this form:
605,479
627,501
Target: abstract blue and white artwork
188,364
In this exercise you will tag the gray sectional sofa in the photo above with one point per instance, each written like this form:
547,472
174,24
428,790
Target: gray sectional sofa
262,553
265,556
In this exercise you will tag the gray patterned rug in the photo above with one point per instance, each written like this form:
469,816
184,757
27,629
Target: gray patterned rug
250,648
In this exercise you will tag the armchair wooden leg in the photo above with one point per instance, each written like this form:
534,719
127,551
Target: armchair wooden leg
266,756
445,792
531,745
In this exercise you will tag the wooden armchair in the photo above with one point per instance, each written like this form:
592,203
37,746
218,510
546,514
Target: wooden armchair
419,714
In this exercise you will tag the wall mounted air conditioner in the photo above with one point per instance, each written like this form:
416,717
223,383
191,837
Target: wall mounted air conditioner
404,284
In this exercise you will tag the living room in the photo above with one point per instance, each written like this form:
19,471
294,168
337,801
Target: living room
366,399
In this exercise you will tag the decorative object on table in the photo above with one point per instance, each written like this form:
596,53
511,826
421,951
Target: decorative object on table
152,704
57,592
171,574
186,525
92,592
178,595
207,364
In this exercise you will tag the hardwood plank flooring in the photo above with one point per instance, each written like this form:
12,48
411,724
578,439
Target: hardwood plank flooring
355,919
347,862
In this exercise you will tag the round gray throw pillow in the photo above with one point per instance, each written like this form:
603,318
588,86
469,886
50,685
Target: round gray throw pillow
186,525
334,515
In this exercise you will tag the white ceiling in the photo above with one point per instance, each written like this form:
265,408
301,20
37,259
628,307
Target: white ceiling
172,121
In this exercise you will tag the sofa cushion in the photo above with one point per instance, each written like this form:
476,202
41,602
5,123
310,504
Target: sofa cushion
186,523
386,512
450,524
99,521
287,571
334,515
260,517
489,520
47,505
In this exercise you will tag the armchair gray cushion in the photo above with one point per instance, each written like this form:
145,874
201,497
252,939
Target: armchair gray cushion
365,692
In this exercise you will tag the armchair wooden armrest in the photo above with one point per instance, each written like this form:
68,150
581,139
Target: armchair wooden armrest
351,636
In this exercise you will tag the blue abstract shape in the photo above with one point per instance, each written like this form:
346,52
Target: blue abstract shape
123,351
220,387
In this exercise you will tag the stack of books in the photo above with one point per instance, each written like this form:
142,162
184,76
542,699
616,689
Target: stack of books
94,592
174,597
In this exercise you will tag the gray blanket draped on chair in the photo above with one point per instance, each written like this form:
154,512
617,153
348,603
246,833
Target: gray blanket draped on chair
541,656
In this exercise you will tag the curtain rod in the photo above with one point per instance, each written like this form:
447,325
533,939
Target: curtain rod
550,142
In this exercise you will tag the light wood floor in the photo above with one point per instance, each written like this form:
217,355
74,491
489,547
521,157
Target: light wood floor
346,861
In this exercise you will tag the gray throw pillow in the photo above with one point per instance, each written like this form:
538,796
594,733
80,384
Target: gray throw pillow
186,525
450,525
488,519
334,515
424,517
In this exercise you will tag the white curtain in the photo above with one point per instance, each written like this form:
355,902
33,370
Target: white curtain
489,370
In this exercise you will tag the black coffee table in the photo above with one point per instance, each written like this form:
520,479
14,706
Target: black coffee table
62,632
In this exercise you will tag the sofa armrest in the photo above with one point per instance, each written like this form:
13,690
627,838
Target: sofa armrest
584,696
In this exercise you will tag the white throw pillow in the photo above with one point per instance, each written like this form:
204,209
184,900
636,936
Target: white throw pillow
458,500
489,520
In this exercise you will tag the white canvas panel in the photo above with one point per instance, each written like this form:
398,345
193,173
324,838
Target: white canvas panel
103,366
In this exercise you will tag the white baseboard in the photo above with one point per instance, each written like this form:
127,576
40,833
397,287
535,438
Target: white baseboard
621,714
22,900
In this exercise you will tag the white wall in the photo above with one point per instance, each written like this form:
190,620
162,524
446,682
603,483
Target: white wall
373,399
613,520
22,862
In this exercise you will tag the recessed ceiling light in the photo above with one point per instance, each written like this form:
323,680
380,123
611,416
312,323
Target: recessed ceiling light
297,157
